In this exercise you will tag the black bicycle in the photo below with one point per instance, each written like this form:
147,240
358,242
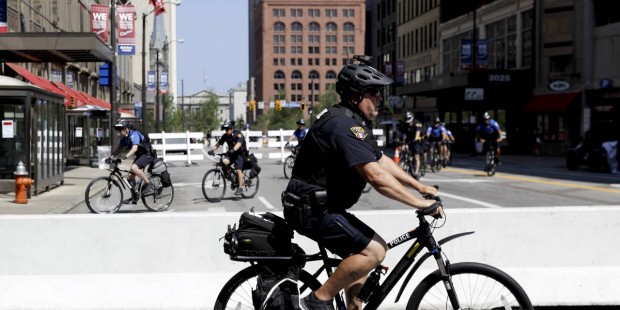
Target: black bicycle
408,163
435,157
105,194
214,181
490,159
289,162
466,285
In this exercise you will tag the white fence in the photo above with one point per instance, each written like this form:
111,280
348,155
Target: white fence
178,142
272,145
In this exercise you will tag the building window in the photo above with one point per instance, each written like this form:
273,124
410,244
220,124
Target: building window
278,27
275,61
278,75
502,36
278,39
314,38
331,12
349,50
331,27
296,13
330,75
293,62
313,75
526,38
331,38
296,27
282,62
278,13
349,27
348,12
314,26
348,39
296,75
314,12
451,55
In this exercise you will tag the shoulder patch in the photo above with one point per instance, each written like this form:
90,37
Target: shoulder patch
239,135
359,132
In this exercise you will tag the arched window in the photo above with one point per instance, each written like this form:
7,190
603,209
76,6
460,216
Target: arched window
313,75
349,27
296,75
278,75
331,75
296,27
315,26
279,26
331,27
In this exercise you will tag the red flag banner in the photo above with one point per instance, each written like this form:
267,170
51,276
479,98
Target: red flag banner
99,20
159,6
125,17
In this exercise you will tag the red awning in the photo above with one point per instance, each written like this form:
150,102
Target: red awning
39,81
549,103
77,98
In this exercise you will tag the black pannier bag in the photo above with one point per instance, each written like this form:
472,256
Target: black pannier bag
165,179
276,288
266,235
251,163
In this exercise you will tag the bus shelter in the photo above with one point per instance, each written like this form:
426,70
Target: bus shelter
31,132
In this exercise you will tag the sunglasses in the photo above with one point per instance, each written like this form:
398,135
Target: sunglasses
374,93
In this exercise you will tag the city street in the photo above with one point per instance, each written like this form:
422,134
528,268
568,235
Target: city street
535,182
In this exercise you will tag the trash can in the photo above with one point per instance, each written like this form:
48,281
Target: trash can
104,152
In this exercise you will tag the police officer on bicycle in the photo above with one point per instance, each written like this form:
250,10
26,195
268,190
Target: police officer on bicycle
339,156
490,134
236,151
299,134
412,139
134,141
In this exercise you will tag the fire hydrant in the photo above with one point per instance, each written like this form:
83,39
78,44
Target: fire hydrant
22,182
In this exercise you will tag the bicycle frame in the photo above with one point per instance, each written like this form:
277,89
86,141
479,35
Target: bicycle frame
424,239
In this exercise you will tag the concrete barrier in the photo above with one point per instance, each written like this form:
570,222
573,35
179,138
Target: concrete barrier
561,256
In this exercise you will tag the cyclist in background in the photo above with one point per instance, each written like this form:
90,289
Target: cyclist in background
490,135
236,151
299,134
449,141
436,134
133,140
412,141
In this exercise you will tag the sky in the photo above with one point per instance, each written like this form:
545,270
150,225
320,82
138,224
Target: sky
214,54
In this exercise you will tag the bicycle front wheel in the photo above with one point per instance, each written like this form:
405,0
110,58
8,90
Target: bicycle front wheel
162,197
477,286
214,185
289,162
103,195
237,293
250,185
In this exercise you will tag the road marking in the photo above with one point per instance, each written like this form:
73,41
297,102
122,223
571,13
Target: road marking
266,203
182,184
541,181
474,201
460,180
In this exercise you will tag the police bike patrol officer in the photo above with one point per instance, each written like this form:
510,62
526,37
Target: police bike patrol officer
339,155
237,151
299,134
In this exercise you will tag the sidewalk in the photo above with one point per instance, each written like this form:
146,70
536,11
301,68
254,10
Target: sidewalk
57,200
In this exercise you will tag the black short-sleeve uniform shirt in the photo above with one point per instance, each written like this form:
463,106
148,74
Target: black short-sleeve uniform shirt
346,144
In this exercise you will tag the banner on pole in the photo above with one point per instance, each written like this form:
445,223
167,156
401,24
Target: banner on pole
126,21
99,20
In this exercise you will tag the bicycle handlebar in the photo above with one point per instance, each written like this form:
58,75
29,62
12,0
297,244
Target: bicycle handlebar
431,209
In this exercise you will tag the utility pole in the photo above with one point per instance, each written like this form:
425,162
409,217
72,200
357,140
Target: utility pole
113,113
311,101
182,108
157,103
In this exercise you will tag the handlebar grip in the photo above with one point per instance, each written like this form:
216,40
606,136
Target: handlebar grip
430,209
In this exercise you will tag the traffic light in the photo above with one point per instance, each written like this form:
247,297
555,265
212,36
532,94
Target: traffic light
302,105
252,105
278,105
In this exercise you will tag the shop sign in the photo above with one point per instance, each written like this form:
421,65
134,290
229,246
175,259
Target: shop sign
474,93
559,85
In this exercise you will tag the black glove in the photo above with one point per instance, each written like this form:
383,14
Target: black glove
210,152
231,152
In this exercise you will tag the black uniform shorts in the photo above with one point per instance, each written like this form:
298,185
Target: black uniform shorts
143,161
342,233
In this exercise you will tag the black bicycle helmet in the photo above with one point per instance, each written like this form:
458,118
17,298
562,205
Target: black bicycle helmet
228,125
122,125
360,77
301,122
409,118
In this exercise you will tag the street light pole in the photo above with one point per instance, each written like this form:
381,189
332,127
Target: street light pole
311,101
182,108
143,94
157,104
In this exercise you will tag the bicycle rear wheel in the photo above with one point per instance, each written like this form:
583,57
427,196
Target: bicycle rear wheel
250,185
289,162
213,185
477,286
103,195
162,197
237,292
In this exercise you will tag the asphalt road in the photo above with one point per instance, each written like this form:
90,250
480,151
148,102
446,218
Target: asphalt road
463,185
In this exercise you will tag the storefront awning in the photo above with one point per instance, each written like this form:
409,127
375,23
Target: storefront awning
549,103
39,81
78,100
58,47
